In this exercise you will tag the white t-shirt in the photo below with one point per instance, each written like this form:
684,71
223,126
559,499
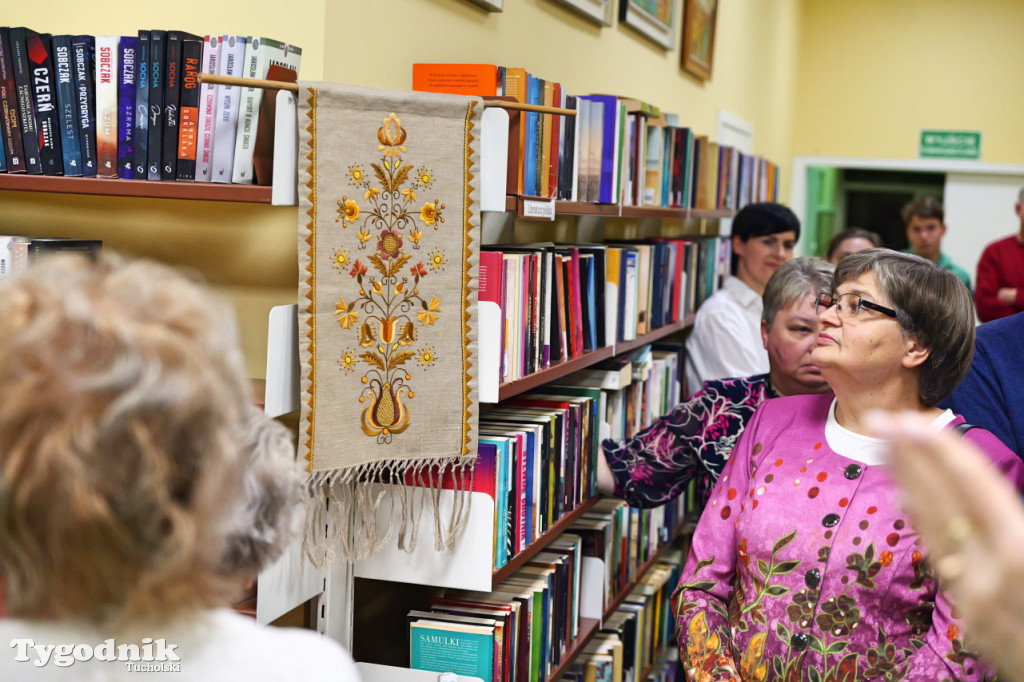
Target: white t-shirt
865,449
214,646
726,337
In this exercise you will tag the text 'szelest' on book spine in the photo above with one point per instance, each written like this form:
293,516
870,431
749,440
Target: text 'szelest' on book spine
140,143
67,104
226,124
25,101
126,91
106,105
188,125
82,54
207,109
11,127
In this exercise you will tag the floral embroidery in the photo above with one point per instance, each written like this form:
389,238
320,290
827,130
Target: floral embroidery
437,259
388,305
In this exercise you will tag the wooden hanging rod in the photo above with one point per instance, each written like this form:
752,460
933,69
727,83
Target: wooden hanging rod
294,87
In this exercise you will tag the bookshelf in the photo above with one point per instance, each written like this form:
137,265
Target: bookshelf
199,191
515,204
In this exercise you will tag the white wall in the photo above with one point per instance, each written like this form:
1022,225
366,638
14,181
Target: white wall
979,210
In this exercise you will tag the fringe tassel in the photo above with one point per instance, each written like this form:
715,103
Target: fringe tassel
349,511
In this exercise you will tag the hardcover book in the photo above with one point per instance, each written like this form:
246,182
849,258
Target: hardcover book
26,102
157,74
140,140
67,105
207,109
126,88
172,101
188,128
226,125
44,91
106,105
11,130
85,101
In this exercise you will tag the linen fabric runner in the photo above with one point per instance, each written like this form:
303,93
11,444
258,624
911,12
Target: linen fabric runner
388,255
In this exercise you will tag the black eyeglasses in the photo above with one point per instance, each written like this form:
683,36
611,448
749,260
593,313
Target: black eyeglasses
847,310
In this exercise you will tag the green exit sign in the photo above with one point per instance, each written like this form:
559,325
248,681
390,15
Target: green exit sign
950,144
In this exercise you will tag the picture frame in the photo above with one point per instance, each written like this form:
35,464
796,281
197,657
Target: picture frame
653,19
698,49
490,5
601,12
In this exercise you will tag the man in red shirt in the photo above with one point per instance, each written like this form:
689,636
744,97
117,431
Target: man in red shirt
1000,282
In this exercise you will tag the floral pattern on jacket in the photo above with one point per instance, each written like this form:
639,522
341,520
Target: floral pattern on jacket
804,568
694,440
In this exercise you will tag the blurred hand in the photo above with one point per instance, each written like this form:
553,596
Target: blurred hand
971,518
1007,295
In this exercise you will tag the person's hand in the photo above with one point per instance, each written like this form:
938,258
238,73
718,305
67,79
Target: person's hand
1007,295
972,520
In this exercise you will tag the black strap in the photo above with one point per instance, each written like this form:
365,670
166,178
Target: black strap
962,429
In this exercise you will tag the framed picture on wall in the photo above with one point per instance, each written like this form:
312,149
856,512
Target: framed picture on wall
599,11
651,18
698,51
490,5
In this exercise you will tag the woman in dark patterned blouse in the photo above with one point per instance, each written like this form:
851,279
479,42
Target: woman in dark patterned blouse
695,439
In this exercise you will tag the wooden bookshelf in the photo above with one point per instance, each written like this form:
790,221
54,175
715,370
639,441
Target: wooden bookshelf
538,545
616,601
201,191
544,376
588,628
586,208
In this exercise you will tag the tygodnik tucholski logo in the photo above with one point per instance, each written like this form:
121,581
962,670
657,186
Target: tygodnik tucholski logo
154,655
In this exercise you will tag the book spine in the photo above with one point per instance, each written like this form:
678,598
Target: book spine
226,125
188,130
208,109
44,92
126,86
70,146
106,105
157,43
254,65
26,105
141,138
172,96
85,102
12,141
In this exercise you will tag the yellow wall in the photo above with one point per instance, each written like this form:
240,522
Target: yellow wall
249,251
873,73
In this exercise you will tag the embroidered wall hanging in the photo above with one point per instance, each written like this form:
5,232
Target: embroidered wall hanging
388,255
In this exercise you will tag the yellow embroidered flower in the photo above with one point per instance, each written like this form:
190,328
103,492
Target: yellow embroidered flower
426,357
364,236
346,316
429,314
391,134
348,212
415,237
400,287
436,259
348,361
408,335
429,214
356,174
366,338
377,289
424,177
409,195
340,259
371,193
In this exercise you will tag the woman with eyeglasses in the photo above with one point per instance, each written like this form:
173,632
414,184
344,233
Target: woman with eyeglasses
803,565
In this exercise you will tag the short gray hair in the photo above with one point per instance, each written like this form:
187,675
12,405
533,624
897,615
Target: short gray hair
793,281
932,305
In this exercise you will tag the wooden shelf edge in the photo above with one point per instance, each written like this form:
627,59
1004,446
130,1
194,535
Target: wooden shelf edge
538,545
653,335
200,191
558,371
588,628
617,600
513,203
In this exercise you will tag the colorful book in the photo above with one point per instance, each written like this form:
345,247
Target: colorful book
67,116
85,101
106,105
11,130
473,80
226,125
25,100
126,109
188,127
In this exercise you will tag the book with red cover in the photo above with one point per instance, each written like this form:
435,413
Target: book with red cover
474,80
560,342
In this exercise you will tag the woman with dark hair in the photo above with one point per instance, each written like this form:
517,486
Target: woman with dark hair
850,241
803,565
726,337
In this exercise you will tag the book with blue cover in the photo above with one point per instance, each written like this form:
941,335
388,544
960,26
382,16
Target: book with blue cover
82,52
67,101
126,92
140,144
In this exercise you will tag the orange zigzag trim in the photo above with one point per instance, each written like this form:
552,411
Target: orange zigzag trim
311,269
467,364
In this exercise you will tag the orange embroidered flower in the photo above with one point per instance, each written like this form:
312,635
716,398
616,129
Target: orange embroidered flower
418,270
366,337
389,245
357,269
915,558
387,329
400,287
348,211
408,335
428,214
952,632
886,558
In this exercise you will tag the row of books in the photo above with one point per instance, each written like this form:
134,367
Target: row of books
132,107
615,150
18,252
524,629
547,303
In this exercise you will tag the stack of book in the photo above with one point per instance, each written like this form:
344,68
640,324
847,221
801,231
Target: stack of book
18,253
614,150
132,107
556,302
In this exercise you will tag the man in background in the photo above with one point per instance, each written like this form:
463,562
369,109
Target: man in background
925,229
1000,280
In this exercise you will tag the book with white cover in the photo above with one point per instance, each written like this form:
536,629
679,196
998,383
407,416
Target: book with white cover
207,109
226,123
